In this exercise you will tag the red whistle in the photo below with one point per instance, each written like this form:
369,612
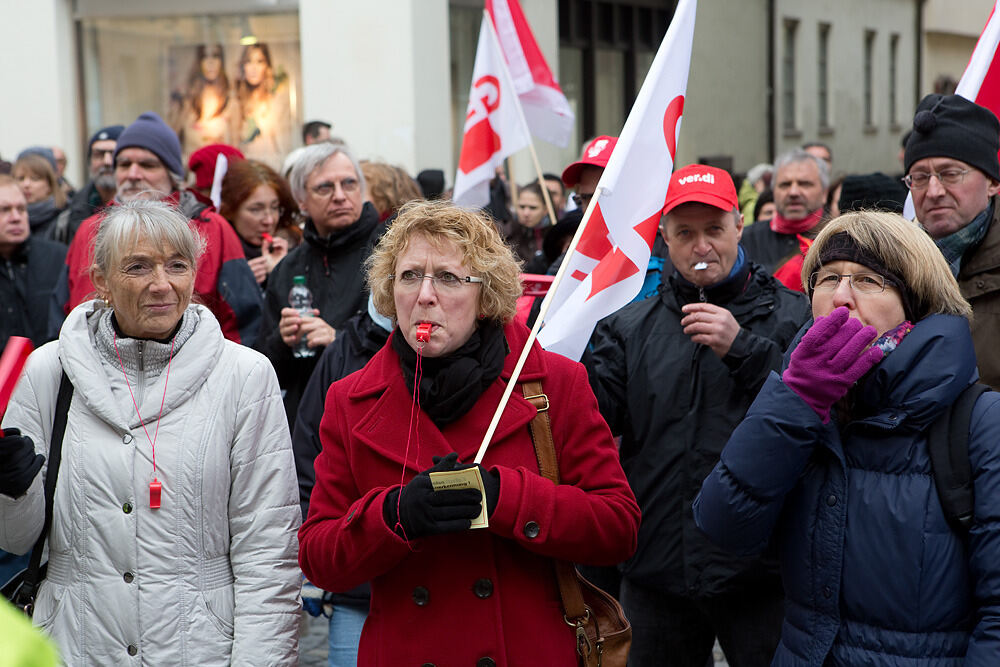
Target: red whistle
267,239
424,332
154,494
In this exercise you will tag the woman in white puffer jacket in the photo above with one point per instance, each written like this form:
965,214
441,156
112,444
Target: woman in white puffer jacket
209,577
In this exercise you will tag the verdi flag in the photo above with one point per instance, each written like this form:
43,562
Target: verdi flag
493,125
607,267
546,110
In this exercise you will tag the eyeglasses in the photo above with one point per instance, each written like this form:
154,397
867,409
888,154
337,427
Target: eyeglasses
348,185
865,283
582,200
259,210
411,280
921,179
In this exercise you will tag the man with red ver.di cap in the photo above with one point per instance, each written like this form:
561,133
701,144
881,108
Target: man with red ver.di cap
674,374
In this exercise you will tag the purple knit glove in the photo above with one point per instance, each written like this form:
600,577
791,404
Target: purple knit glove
829,359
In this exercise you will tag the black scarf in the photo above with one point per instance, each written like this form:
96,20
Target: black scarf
450,386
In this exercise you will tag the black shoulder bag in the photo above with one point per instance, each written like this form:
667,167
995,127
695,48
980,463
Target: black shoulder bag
23,587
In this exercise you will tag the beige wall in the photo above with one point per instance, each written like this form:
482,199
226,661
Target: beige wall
379,72
725,110
856,148
950,33
39,80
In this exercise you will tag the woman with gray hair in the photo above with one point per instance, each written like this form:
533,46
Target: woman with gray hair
172,534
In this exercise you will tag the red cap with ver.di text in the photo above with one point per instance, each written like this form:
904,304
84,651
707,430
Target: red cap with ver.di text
703,184
595,154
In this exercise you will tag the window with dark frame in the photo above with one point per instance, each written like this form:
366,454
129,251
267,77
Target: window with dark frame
869,84
788,90
822,76
893,79
611,43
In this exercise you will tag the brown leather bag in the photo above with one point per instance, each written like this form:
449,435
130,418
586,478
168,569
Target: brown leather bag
603,634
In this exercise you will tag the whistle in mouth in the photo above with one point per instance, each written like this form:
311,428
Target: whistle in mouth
267,239
424,332
701,266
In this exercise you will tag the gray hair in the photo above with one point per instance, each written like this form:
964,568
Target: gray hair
157,222
311,159
797,155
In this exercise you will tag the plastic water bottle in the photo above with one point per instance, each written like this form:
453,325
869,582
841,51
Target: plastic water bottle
301,299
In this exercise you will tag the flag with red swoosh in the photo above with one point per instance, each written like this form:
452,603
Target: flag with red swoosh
546,109
608,266
493,125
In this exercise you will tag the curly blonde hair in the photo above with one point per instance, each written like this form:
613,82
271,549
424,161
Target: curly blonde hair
906,250
483,251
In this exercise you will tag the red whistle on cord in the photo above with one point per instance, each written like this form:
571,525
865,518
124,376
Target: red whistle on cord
424,332
155,488
12,361
267,239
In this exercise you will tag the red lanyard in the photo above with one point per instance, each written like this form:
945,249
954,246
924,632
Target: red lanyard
155,488
423,336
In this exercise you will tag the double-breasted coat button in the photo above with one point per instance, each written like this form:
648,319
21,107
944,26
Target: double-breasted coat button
132,649
127,508
421,596
831,500
531,530
128,577
483,588
428,664
486,662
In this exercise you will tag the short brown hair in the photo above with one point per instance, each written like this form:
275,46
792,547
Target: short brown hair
389,187
483,252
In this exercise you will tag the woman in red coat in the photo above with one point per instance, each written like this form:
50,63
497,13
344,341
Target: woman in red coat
442,593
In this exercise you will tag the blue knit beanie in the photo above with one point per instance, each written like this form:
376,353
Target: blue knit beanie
150,132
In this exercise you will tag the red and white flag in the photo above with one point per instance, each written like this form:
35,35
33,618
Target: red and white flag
546,109
980,83
493,125
608,266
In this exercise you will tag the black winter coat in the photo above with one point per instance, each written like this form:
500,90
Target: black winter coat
675,403
334,271
27,281
357,342
767,247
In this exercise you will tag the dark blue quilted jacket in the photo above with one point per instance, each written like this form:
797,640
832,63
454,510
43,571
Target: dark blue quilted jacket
873,574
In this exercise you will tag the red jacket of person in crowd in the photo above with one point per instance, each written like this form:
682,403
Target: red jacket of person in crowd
459,597
224,282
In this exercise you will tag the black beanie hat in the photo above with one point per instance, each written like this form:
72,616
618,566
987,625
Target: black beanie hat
953,127
875,191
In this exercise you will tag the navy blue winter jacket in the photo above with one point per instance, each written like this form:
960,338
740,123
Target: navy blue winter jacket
873,574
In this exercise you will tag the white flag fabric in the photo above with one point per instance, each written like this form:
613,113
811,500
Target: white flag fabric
608,267
980,83
493,126
546,109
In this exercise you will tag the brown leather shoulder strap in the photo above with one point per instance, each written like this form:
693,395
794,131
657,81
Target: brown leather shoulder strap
548,465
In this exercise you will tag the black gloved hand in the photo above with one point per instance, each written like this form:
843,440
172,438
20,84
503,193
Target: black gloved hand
18,462
422,511
491,484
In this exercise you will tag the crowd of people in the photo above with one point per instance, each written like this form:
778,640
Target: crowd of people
749,453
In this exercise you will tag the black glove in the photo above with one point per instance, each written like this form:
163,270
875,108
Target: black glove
18,462
491,484
422,511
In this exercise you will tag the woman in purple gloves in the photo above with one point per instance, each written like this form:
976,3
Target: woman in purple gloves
832,464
